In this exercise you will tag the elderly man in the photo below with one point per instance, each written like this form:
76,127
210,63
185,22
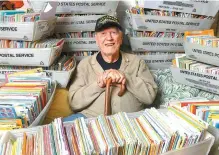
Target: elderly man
87,92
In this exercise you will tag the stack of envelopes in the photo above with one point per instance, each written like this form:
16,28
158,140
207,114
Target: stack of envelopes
23,97
151,133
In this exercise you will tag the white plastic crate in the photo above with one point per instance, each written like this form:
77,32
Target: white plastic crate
79,7
200,7
41,116
30,56
165,23
156,44
203,81
215,147
61,77
76,23
201,148
201,53
27,31
80,44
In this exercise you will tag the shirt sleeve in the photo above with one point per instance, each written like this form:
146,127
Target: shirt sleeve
141,84
82,94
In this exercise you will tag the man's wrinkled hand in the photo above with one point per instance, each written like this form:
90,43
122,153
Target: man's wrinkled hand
117,78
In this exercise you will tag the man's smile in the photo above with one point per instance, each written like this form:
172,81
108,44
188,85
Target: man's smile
109,44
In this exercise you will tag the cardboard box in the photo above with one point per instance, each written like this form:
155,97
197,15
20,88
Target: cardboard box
200,7
156,44
167,23
79,7
201,53
76,23
30,56
203,81
28,31
61,77
158,61
80,44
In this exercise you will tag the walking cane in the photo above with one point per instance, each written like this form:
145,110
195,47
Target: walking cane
107,108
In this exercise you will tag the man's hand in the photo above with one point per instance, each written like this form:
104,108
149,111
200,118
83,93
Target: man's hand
101,79
117,77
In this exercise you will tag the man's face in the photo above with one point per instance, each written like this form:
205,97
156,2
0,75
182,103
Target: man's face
109,40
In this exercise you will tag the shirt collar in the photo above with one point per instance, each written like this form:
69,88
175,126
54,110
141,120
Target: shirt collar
98,69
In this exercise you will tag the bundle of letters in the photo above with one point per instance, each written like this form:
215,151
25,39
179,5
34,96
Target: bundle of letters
146,11
150,133
64,63
23,97
205,110
46,43
18,16
204,40
156,34
181,61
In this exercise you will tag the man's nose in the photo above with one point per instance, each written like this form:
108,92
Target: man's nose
109,36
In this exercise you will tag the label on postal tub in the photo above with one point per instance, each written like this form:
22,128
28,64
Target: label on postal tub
156,44
200,7
25,57
80,44
80,7
172,24
207,82
76,23
209,55
158,60
17,31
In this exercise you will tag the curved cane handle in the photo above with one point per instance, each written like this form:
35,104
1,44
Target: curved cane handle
107,108
122,90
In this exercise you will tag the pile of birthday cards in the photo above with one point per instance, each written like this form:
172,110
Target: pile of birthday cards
23,97
153,132
205,110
